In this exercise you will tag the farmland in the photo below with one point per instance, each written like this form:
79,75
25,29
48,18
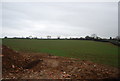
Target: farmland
99,52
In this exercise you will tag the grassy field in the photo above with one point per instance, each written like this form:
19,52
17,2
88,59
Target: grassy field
100,52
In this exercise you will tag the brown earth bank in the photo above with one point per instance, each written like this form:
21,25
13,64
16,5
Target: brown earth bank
46,66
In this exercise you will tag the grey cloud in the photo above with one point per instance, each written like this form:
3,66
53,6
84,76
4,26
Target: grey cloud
64,19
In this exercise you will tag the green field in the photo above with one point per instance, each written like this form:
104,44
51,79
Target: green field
100,52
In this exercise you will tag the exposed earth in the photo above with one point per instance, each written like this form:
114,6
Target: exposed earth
46,66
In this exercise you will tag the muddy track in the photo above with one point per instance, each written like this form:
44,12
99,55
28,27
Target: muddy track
45,66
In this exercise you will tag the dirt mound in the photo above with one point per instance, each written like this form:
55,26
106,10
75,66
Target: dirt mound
11,60
45,66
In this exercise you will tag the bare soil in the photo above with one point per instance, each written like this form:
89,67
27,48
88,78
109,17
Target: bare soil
46,66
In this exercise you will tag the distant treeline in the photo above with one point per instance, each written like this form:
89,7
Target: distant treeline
114,41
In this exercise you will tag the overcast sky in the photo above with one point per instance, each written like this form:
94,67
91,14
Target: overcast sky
65,19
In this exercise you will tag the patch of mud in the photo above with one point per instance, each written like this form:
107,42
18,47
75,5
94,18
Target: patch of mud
45,66
32,64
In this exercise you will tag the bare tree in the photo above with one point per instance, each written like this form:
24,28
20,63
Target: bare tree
30,37
48,37
118,37
94,36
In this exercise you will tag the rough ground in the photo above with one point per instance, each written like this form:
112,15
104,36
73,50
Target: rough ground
45,66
